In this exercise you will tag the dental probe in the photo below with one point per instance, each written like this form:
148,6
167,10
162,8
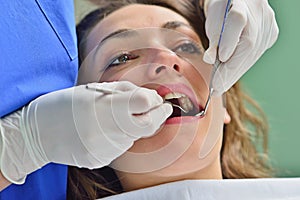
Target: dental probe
216,64
112,91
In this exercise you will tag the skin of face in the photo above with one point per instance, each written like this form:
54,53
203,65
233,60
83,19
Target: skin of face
176,72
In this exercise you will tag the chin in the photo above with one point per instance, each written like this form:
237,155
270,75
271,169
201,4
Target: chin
172,152
190,165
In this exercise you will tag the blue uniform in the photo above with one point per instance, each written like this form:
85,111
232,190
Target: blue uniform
38,55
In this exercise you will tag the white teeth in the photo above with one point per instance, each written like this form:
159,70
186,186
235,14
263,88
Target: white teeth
184,101
174,95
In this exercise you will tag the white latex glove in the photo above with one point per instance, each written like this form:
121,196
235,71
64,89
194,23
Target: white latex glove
250,30
78,126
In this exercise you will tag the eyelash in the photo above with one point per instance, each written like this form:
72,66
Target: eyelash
124,57
194,47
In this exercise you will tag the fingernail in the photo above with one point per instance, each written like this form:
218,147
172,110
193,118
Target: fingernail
224,54
209,57
168,109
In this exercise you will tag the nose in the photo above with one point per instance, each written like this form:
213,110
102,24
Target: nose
162,63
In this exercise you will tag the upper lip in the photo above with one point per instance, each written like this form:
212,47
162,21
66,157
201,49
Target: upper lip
163,90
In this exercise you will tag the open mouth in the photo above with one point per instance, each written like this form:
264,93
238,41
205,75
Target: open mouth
182,105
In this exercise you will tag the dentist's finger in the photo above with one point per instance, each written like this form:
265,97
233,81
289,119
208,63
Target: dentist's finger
153,119
234,27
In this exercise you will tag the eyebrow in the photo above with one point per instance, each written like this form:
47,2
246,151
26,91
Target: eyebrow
131,32
126,33
175,25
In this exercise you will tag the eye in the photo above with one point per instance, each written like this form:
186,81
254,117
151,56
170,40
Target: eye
121,59
188,47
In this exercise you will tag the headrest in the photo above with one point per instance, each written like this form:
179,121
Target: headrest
233,189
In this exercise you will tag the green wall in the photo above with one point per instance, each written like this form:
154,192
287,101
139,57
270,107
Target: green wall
274,81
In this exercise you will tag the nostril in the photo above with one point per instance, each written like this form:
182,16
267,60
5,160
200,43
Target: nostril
158,70
176,67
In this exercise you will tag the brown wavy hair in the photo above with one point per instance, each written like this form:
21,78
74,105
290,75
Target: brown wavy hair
244,148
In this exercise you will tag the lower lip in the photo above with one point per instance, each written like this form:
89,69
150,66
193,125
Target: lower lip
181,120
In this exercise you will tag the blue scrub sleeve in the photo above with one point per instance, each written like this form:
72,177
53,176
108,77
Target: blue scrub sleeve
38,55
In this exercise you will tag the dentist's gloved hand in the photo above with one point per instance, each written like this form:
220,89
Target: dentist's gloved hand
78,126
250,30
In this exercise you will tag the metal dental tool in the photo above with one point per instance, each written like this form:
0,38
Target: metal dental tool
177,106
100,89
216,64
111,91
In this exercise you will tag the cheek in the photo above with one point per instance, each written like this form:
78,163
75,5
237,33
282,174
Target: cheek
109,77
132,74
198,80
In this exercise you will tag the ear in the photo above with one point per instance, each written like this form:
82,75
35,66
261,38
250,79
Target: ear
227,117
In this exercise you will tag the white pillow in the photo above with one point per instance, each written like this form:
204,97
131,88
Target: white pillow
227,189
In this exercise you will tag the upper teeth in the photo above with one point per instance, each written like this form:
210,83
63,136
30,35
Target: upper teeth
174,95
184,101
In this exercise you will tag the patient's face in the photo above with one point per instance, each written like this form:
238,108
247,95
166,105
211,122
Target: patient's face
159,50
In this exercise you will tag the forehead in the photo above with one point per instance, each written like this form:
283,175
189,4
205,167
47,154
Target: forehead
132,17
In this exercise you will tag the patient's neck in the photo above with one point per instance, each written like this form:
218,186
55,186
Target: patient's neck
133,181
